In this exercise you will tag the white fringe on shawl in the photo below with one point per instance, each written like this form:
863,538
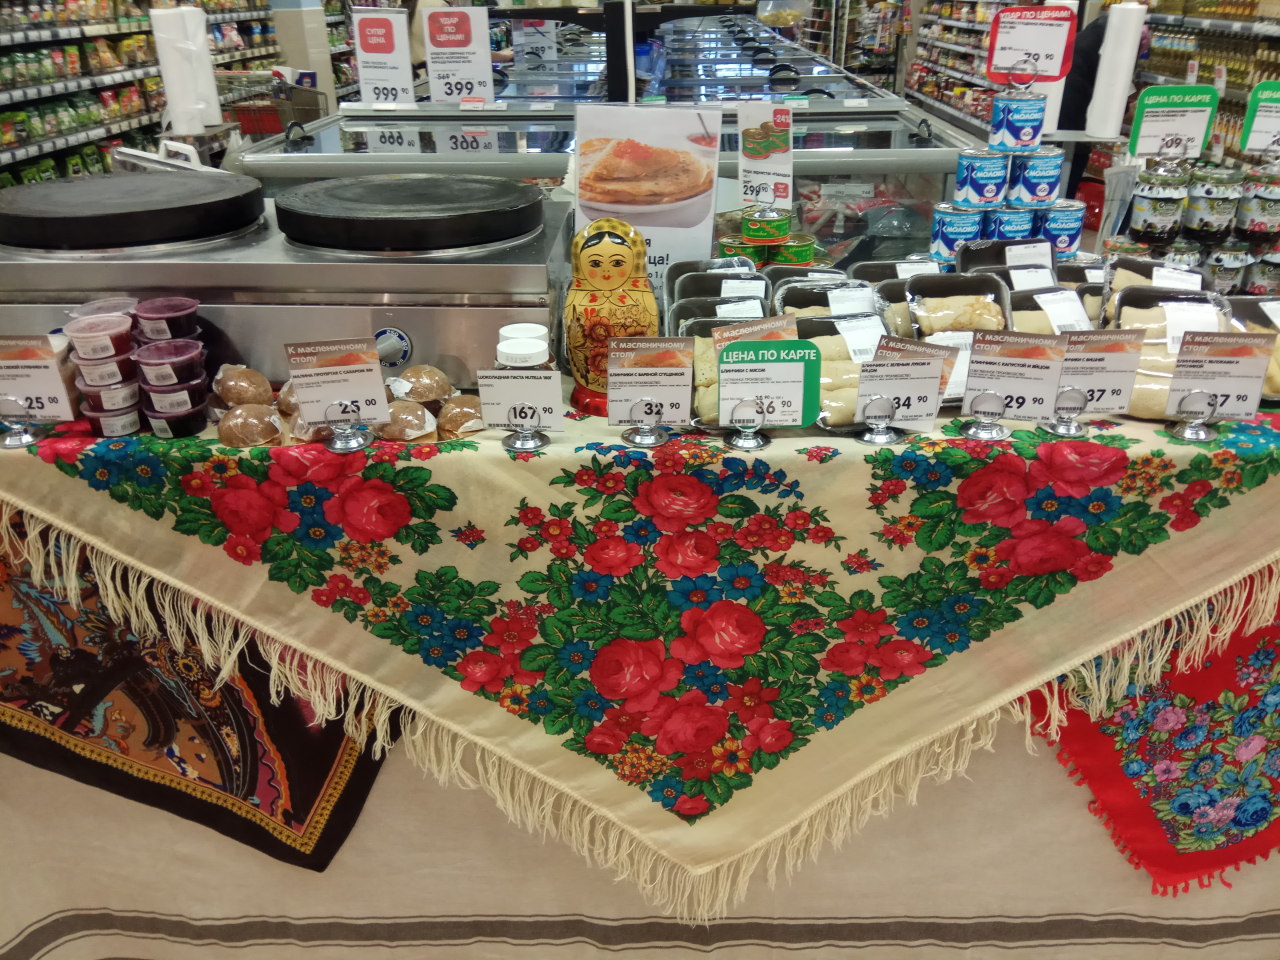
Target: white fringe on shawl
538,805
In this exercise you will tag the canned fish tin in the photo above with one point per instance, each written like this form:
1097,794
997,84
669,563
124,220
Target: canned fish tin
1034,178
766,225
737,246
797,251
981,178
1005,223
1062,224
1017,120
952,226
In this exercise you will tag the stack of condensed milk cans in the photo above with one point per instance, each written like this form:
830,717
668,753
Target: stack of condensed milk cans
1010,190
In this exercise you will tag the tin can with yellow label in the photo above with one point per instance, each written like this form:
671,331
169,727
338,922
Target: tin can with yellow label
798,251
737,246
766,225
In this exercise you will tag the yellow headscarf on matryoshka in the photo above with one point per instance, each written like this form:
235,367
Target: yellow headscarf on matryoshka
609,297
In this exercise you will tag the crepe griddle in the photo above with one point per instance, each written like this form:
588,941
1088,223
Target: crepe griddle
408,212
127,210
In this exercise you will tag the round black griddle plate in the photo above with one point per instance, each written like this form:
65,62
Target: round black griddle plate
409,212
127,210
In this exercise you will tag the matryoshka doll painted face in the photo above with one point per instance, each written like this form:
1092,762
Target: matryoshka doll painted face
606,262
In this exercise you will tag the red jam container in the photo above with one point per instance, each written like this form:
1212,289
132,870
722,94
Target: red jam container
96,338
176,398
166,362
185,424
100,308
167,318
117,396
103,373
116,423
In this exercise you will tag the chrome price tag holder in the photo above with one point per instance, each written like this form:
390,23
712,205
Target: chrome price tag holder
528,435
348,437
877,414
986,409
21,430
1194,413
648,432
746,420
1069,404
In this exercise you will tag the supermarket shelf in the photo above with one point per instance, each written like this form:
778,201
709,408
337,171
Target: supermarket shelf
959,117
54,144
14,38
346,91
40,91
341,48
233,15
976,80
1158,79
249,53
958,47
1165,19
335,17
1251,28
959,24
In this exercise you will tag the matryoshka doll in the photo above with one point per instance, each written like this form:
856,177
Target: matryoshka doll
609,297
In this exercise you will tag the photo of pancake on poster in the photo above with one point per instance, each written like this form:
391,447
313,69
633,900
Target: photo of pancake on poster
629,173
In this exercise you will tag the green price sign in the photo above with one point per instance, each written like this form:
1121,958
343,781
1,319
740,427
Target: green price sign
1177,116
1262,118
780,377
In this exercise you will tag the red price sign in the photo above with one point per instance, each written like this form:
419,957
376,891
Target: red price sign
1031,43
448,30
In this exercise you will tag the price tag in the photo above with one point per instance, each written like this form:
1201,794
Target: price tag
1193,71
742,288
1023,368
1262,118
846,300
861,335
1179,116
535,393
1032,278
780,376
1065,311
467,141
1230,367
764,152
856,101
1220,78
29,372
393,139
538,39
1094,274
914,386
962,342
458,54
1103,363
1043,35
1272,309
1029,255
1177,279
914,268
657,370
1183,317
338,380
383,61
740,308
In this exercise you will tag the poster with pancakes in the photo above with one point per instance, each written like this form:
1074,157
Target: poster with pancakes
653,166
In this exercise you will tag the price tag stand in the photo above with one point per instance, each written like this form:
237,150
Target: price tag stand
528,434
1070,403
878,413
648,432
1194,412
348,436
22,431
747,419
986,408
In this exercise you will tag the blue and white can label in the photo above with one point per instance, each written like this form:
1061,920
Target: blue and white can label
952,226
1062,224
981,178
1034,178
1016,122
1005,223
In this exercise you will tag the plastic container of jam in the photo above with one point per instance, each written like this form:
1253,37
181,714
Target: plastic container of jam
167,318
103,373
175,398
184,424
116,396
166,362
104,307
115,423
99,337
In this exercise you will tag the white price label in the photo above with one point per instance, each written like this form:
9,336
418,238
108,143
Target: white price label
1193,71
914,268
458,53
393,139
650,381
764,152
338,381
1094,274
531,396
1266,127
1183,317
1103,364
1178,125
1220,78
847,300
777,388
29,372
1228,367
856,101
961,340
1022,368
1031,278
740,308
1176,279
1065,311
467,141
537,40
1272,309
1038,35
914,386
384,63
862,336
1029,255
742,288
